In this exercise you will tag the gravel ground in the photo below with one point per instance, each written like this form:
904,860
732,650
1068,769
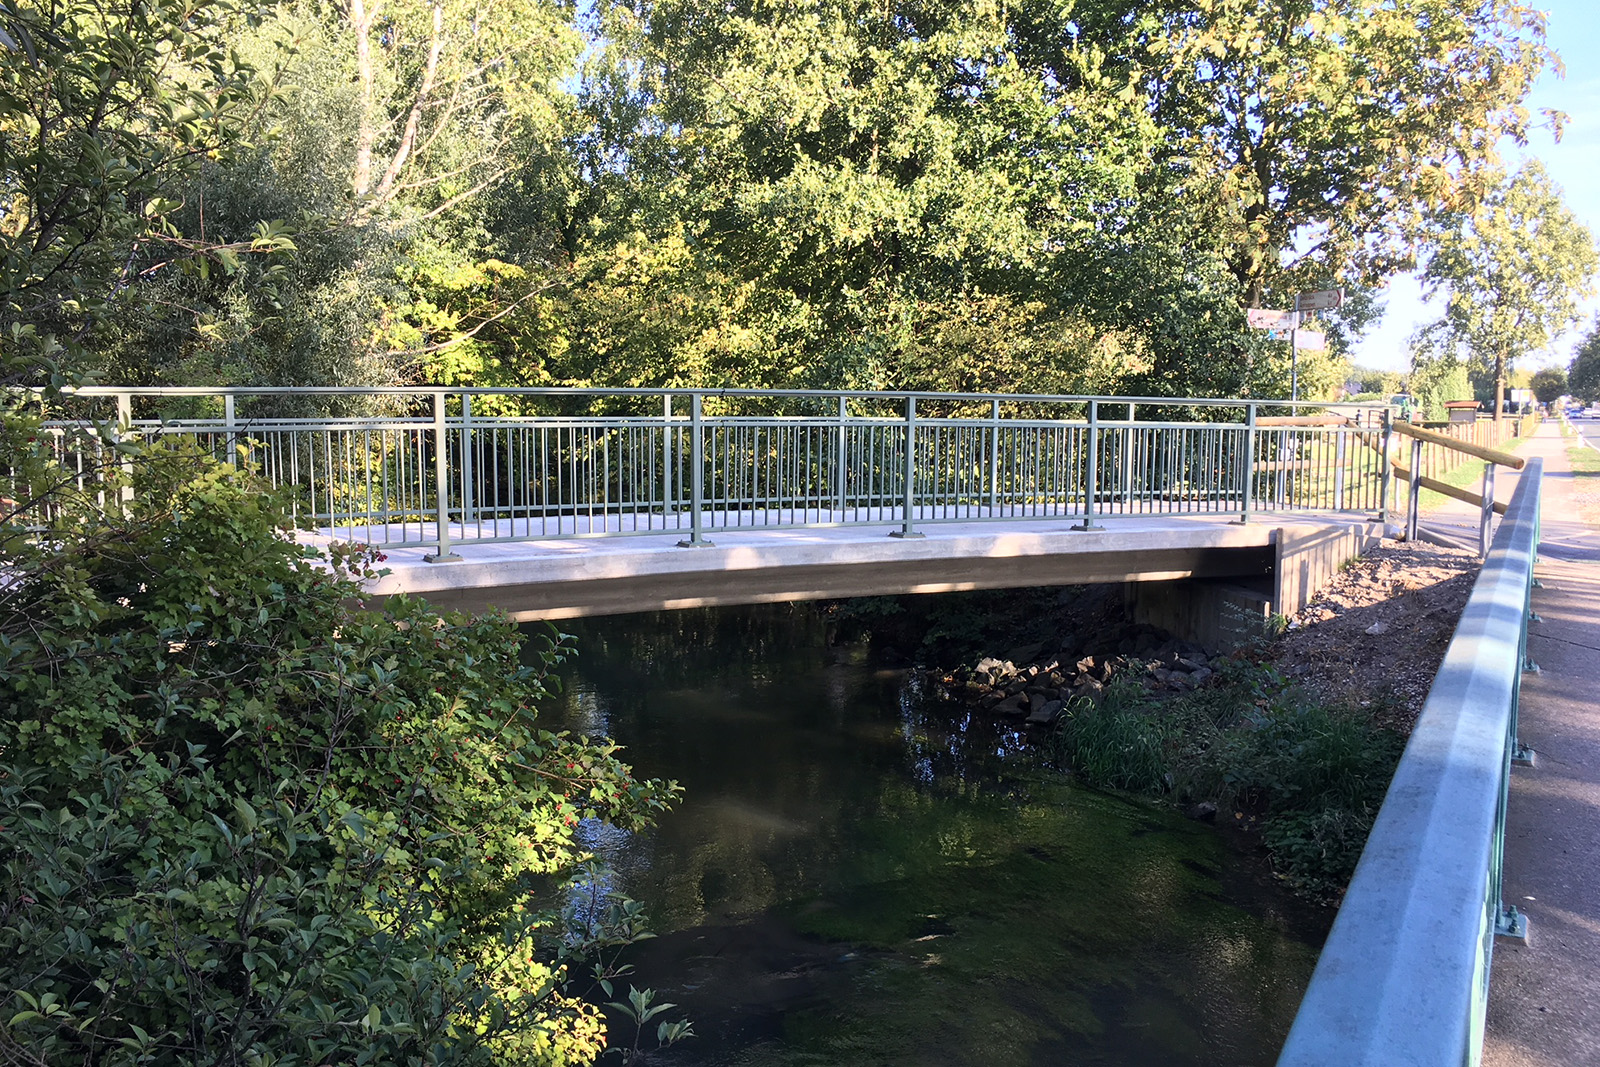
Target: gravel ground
1376,634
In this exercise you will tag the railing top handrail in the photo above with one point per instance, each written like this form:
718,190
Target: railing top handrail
865,394
1399,976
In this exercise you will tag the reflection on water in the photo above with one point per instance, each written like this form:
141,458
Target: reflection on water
860,874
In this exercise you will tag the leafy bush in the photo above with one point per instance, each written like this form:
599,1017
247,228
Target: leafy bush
245,819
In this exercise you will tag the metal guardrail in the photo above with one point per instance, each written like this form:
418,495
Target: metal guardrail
1404,975
439,467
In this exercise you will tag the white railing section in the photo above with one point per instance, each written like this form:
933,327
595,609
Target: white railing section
438,467
1404,975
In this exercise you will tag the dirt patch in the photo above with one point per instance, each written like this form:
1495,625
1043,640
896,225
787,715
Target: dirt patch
1377,633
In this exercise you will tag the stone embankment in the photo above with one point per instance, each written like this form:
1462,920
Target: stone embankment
1034,685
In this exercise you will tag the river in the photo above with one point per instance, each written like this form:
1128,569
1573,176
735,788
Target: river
862,874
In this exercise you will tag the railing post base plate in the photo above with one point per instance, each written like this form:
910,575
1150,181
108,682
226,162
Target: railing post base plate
1522,755
907,535
692,543
1511,923
436,557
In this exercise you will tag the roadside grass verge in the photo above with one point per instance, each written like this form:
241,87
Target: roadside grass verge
1308,775
1585,459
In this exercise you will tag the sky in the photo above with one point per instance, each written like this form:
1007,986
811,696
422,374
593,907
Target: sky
1574,164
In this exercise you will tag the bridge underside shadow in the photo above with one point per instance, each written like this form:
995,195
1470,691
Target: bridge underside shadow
1206,579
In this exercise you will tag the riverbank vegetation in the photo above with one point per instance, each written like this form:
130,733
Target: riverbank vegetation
1250,749
246,818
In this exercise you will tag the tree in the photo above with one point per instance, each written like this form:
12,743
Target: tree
1549,385
245,818
1314,138
1583,373
106,110
862,181
1512,273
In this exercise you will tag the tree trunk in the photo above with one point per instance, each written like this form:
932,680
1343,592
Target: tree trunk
1499,388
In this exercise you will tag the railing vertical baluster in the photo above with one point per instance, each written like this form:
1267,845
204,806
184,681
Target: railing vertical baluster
1129,436
994,457
1249,464
1341,457
467,504
441,484
909,502
841,460
669,460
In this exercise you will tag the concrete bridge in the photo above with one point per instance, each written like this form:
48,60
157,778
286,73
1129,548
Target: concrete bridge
556,503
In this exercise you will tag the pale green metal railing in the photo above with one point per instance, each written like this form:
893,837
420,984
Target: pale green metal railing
441,467
1404,975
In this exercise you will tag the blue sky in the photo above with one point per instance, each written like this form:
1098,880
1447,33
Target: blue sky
1574,164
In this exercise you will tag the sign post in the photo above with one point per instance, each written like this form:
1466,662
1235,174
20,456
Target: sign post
1316,300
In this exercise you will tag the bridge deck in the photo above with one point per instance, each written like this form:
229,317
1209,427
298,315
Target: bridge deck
575,576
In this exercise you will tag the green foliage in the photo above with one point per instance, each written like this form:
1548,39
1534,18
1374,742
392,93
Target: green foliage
1376,383
1583,373
105,111
1434,380
1311,139
1513,270
1548,384
245,818
1314,776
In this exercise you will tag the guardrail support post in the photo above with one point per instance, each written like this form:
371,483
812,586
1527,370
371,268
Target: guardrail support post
1250,433
230,429
1414,496
1091,487
697,476
441,485
1486,519
669,458
1385,471
125,431
910,503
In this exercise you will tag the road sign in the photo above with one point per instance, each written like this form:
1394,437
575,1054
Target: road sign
1268,319
1311,339
1320,300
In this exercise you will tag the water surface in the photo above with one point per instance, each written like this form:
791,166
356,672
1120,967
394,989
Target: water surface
860,873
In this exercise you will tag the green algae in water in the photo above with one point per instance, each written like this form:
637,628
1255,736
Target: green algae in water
858,876
1065,921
